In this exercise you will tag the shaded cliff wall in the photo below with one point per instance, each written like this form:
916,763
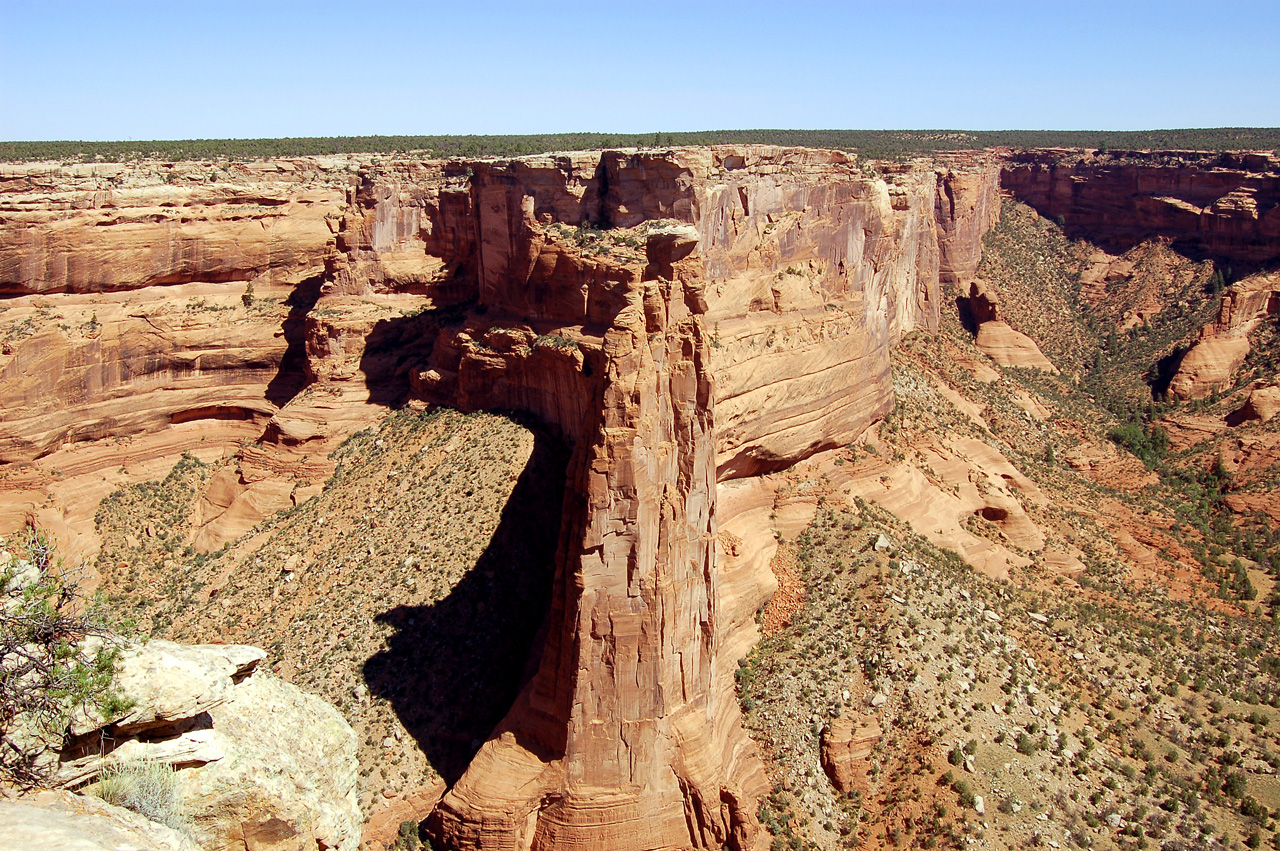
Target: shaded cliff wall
1223,206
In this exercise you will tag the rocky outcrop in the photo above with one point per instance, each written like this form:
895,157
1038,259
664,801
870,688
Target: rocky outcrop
629,735
967,206
847,745
1211,365
260,761
1263,403
1225,206
996,338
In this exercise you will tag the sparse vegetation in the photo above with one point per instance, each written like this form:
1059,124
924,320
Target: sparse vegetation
57,656
149,788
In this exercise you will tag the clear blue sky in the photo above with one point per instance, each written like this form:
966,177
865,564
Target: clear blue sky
188,68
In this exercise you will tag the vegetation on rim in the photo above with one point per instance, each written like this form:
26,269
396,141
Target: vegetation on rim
878,144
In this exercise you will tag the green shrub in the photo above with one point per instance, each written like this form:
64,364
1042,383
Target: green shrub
1149,443
47,670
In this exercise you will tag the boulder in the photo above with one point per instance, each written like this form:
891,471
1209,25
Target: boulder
1209,366
846,750
288,780
1263,403
171,682
262,764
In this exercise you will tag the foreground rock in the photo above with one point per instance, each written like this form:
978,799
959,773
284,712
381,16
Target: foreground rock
58,821
288,779
259,762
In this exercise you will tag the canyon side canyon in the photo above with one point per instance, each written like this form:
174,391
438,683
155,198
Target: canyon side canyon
685,322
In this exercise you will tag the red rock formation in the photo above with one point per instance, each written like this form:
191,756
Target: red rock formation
1263,403
98,228
1212,363
847,744
1221,205
968,205
997,338
629,734
670,313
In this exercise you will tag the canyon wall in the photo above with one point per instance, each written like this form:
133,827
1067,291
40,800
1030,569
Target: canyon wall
1223,206
678,317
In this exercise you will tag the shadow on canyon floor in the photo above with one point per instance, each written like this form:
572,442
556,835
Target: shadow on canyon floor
452,669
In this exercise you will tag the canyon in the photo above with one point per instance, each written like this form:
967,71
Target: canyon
689,323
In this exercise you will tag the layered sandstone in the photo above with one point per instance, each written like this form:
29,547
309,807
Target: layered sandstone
1211,364
1225,206
675,316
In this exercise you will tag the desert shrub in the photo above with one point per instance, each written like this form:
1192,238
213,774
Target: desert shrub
147,787
1149,443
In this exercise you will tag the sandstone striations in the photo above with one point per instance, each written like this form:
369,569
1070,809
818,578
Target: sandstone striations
677,317
1220,205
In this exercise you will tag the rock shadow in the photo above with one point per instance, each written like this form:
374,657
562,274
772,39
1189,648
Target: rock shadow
292,377
452,669
395,347
1161,373
967,320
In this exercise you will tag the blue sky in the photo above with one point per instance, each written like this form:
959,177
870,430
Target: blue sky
184,69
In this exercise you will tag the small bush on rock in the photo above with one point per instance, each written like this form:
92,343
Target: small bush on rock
147,787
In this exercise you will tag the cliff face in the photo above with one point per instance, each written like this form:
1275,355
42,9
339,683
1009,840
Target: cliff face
758,290
1225,206
678,317
1212,363
105,227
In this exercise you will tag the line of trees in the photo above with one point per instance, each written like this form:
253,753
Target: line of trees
878,144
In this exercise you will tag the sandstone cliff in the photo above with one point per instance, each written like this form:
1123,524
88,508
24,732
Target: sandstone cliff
1225,206
1212,363
677,316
